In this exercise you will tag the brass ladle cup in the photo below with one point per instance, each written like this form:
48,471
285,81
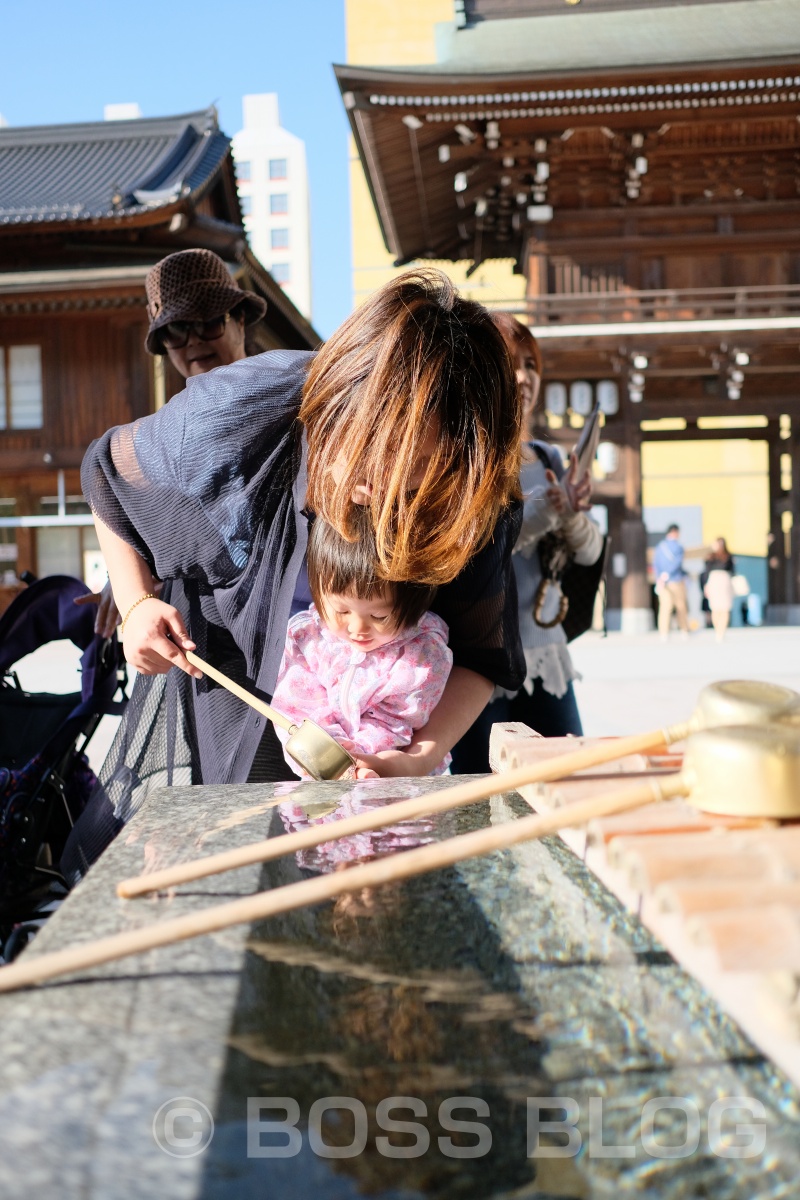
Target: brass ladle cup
730,703
753,771
319,755
744,771
727,702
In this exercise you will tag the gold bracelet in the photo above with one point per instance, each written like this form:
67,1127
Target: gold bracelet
146,596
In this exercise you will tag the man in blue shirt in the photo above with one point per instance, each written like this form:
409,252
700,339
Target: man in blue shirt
670,583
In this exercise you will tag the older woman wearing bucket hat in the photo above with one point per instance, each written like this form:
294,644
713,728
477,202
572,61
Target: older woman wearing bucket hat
198,317
198,313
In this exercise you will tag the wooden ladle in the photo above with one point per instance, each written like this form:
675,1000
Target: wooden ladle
314,750
753,771
726,702
733,702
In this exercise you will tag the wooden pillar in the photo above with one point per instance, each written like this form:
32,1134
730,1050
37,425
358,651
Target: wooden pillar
781,593
616,516
159,383
791,447
26,538
637,611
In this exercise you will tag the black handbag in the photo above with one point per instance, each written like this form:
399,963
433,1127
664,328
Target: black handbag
578,584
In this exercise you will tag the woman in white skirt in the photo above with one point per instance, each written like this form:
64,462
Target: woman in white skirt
718,588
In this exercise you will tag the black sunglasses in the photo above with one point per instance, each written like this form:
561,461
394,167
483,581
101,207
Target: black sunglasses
175,334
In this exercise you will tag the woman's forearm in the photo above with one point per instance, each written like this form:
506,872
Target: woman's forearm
538,518
154,633
465,696
583,538
128,572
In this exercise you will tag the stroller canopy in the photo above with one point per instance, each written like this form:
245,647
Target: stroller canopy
44,613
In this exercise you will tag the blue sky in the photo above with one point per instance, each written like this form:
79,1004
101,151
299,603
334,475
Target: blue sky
62,62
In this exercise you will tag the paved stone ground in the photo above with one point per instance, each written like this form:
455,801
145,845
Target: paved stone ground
629,683
636,683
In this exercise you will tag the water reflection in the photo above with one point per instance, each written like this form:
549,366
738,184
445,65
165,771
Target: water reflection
507,978
385,993
362,797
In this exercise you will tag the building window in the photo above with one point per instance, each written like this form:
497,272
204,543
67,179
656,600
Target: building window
246,203
8,545
279,239
278,203
243,171
280,272
278,168
21,387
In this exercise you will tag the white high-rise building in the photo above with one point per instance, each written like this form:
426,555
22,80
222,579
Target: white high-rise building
273,189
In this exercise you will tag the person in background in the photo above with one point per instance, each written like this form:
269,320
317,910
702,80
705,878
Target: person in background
718,588
366,661
198,316
670,583
554,500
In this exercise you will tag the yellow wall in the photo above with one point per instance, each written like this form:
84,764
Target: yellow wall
728,479
383,33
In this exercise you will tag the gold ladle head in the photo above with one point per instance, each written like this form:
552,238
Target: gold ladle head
744,702
745,770
317,752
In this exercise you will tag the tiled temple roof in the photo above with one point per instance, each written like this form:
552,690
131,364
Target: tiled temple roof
651,35
106,169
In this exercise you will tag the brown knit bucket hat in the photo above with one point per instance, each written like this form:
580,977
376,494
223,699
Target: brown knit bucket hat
194,285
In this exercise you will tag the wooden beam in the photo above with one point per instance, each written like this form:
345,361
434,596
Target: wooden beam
63,457
692,434
772,406
707,243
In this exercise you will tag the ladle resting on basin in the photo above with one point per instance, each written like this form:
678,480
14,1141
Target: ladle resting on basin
757,774
733,702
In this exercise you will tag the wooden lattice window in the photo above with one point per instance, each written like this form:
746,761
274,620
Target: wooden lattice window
21,387
567,277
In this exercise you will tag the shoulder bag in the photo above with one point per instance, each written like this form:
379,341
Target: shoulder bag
578,584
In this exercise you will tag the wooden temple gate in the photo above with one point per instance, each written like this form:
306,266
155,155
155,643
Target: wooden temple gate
648,188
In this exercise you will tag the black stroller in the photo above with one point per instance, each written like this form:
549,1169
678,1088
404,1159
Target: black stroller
45,778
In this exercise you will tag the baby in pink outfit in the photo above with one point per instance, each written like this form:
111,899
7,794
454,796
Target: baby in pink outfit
366,661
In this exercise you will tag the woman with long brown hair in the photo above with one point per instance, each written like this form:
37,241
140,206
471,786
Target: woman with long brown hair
410,410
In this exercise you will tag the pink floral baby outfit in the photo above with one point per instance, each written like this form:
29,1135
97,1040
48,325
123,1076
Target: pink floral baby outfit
368,700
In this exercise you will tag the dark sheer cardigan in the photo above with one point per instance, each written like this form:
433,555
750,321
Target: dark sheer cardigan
210,491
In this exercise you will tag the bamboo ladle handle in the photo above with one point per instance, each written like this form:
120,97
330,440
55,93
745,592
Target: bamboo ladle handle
402,810
259,705
389,869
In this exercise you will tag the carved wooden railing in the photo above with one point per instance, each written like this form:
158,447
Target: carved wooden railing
667,304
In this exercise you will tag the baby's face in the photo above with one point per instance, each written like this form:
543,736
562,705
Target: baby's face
366,624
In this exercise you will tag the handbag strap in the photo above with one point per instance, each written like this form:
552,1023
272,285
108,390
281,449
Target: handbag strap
541,453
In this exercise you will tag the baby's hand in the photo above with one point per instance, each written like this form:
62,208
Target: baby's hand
367,765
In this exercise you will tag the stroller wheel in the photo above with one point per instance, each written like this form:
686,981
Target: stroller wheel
15,935
20,937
